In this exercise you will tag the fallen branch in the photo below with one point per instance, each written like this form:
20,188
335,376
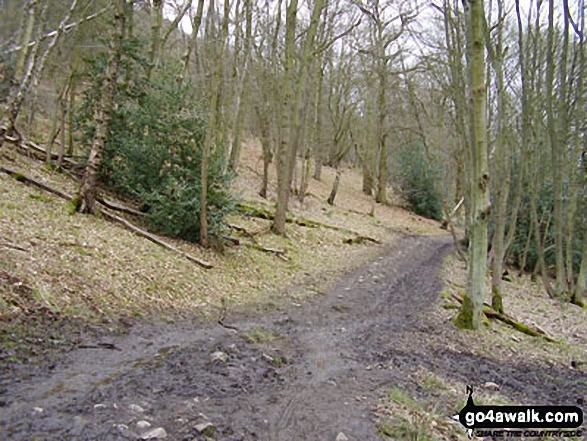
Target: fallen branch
265,213
117,207
108,204
14,247
26,179
231,239
28,145
258,247
525,329
155,239
359,239
110,346
243,230
22,178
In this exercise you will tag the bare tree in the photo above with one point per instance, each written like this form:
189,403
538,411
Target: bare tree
470,313
293,84
383,33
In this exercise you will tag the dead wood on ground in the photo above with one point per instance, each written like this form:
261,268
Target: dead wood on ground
509,320
26,179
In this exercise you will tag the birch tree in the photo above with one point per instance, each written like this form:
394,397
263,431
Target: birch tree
86,198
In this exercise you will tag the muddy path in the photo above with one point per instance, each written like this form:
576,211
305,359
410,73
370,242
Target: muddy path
303,372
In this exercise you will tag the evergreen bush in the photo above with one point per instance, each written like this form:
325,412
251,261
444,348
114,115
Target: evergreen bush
153,147
418,181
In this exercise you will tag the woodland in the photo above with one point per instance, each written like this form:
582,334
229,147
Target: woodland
474,112
147,114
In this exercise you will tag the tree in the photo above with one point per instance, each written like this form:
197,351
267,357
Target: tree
470,313
31,58
243,89
381,38
293,84
86,198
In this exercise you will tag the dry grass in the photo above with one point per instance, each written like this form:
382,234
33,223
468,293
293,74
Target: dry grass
85,266
528,303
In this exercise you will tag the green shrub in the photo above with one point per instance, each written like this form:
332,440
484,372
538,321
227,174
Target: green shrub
418,182
153,147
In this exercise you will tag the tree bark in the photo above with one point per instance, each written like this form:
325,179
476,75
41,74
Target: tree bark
156,24
22,72
556,155
470,313
243,94
334,190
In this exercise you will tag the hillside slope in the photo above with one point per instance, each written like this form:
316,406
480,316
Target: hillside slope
60,265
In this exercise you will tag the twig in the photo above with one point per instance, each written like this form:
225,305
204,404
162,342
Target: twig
15,247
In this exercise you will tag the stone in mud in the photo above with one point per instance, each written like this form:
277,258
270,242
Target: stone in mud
158,433
341,437
206,429
143,425
219,356
490,385
136,408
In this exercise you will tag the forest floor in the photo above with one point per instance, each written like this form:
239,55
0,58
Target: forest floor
338,342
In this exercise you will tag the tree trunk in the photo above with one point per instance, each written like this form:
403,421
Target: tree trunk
22,72
292,90
335,184
470,313
266,145
196,23
556,155
319,147
86,199
381,195
242,101
578,297
156,24
501,169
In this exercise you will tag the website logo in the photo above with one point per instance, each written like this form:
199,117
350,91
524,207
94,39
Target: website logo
474,418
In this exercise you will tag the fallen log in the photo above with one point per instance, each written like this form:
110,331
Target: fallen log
243,230
117,207
525,329
255,246
26,179
155,239
232,240
265,213
30,146
359,240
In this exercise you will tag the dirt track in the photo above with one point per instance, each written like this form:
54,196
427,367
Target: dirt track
320,377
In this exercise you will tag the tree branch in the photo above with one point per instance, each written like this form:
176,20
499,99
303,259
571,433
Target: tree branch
66,28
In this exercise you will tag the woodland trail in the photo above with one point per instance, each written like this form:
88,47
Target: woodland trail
321,375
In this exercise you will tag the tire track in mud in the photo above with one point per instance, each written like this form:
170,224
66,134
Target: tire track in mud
321,377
